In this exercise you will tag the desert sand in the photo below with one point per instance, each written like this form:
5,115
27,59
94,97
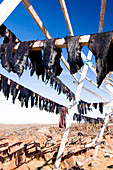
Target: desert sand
35,146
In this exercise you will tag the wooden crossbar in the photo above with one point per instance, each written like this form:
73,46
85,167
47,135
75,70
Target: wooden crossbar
59,43
91,92
108,85
88,79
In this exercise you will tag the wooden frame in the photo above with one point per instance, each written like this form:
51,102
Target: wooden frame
60,43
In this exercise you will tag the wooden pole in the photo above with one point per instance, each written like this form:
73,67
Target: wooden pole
79,88
6,8
36,18
91,92
65,12
102,12
93,142
109,87
108,77
88,79
71,112
108,82
101,134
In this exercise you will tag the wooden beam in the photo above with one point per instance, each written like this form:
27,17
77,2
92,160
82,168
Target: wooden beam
36,18
59,43
111,79
66,132
109,87
65,12
108,82
109,74
88,79
101,134
6,8
102,12
91,92
83,75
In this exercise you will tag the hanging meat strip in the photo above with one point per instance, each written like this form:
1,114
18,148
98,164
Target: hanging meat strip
102,49
21,56
14,91
7,56
2,30
62,121
51,57
36,62
74,53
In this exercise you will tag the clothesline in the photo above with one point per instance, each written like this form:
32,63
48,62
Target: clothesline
23,94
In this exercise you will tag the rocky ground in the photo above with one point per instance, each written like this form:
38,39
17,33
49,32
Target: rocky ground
35,146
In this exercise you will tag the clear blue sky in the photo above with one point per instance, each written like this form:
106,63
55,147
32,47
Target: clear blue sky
84,16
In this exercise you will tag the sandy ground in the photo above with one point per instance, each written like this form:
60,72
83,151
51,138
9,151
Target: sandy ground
49,137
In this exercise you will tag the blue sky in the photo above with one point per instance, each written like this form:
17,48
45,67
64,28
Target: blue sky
84,16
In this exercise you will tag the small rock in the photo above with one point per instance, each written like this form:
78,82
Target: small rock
80,134
110,166
106,151
48,156
80,164
94,165
108,155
